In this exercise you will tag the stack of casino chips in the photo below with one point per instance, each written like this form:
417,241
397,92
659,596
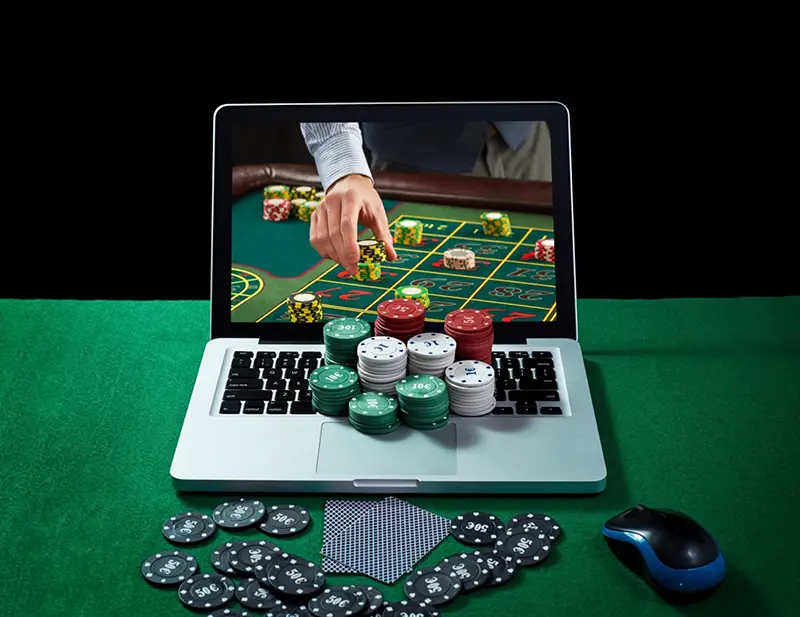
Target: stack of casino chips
545,250
305,210
408,232
400,318
412,292
277,191
373,413
332,387
424,402
304,307
277,209
473,332
342,337
309,193
496,224
459,259
382,361
430,353
296,205
471,387
371,253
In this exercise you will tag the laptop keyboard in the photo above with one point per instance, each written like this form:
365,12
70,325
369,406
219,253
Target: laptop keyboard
270,382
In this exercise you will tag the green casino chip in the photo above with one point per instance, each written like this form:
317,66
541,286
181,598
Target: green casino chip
332,378
421,387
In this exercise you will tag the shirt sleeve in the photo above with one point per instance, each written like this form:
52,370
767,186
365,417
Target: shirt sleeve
337,148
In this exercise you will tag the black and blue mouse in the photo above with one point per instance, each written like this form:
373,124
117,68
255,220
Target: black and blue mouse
669,550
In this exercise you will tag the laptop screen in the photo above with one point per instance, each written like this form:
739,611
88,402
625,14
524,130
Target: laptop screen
337,219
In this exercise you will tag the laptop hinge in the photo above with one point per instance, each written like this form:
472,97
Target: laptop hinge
263,341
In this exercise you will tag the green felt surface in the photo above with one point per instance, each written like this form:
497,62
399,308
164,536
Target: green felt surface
697,402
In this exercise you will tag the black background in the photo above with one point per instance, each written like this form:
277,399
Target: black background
675,172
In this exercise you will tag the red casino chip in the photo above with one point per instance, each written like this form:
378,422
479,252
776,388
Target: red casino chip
400,318
545,250
473,332
277,209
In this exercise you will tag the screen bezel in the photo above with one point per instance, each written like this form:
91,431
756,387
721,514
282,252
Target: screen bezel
226,116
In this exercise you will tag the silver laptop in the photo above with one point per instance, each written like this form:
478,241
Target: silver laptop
265,435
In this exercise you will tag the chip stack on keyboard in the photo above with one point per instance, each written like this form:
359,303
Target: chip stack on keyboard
373,413
332,387
400,318
342,337
382,362
473,332
424,402
471,386
430,353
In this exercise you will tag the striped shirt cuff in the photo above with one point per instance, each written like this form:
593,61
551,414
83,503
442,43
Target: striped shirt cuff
340,155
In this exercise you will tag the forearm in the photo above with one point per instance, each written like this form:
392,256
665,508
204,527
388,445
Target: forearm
337,148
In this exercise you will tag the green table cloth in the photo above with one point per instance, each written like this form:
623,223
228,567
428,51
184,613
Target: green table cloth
697,401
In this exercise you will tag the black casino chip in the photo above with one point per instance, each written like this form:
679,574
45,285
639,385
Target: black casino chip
338,601
476,528
251,594
294,577
536,523
285,520
375,600
221,557
250,554
501,566
239,514
471,570
206,591
404,608
189,528
168,569
432,587
228,612
288,611
525,548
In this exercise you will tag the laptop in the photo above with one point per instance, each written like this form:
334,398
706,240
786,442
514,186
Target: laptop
542,435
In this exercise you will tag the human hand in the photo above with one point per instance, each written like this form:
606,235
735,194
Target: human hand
351,201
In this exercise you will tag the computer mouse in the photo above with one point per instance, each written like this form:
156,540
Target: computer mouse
669,550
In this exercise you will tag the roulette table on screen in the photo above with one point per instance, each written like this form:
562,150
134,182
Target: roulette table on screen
272,259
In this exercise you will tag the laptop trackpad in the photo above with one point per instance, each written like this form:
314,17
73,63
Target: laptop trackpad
407,453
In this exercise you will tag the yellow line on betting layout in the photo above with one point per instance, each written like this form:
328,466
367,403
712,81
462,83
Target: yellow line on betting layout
500,265
247,283
431,252
549,312
510,261
478,278
440,218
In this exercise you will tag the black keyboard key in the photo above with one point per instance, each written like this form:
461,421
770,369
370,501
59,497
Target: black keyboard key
527,373
243,373
515,373
298,384
276,384
530,397
518,354
285,363
498,354
311,354
266,354
509,362
289,354
240,363
500,395
273,373
542,354
496,363
508,384
551,411
294,373
545,373
527,410
537,384
278,407
245,384
309,363
302,407
502,411
230,407
247,395
284,395
263,363
305,395
243,354
254,407
537,362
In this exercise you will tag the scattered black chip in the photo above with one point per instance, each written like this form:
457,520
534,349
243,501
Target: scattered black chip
471,570
228,612
206,591
404,608
293,577
284,611
338,601
476,528
375,600
167,569
526,549
501,566
432,586
189,528
252,595
221,557
250,554
285,520
239,514
536,523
